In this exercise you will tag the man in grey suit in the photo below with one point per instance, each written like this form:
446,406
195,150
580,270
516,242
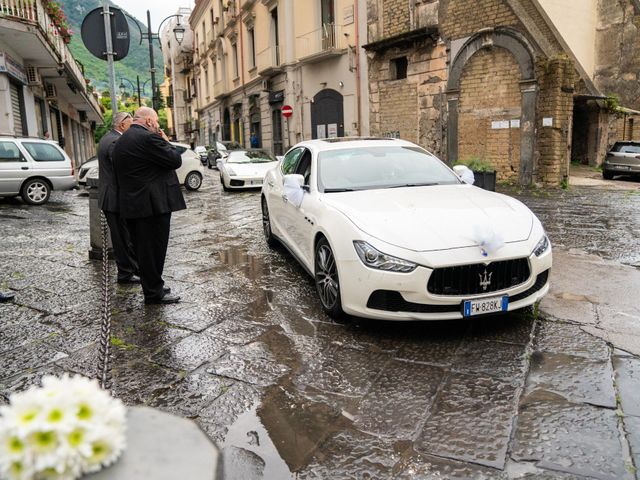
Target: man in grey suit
108,201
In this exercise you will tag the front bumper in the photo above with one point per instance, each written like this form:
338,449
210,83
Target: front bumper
383,295
245,182
621,168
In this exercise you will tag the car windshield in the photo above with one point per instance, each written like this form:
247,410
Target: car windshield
626,148
253,156
380,167
232,145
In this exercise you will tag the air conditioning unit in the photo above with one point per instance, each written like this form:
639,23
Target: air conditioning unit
50,91
266,85
33,76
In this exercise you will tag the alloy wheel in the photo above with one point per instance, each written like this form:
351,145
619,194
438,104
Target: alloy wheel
327,277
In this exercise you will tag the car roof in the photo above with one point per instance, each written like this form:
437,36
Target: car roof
353,142
27,139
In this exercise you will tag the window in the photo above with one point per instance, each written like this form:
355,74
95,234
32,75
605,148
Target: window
252,48
304,167
290,160
43,152
234,51
206,83
398,68
9,152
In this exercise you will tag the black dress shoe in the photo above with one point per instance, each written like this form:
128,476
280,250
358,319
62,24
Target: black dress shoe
131,279
162,301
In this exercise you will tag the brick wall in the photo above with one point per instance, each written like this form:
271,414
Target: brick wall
556,78
490,92
396,17
461,18
399,110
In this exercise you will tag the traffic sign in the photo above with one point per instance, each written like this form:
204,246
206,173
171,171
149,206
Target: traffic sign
287,111
92,32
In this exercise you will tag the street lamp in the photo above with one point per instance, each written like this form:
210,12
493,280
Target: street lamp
122,86
178,32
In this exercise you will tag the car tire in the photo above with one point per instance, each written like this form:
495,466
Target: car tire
607,175
35,191
209,166
326,280
193,181
224,187
266,225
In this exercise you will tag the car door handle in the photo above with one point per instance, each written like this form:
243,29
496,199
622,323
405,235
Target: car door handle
285,199
24,168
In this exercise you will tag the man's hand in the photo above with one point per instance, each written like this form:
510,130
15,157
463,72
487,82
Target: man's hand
162,134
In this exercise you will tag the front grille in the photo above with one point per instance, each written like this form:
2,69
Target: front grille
236,183
391,301
541,281
478,278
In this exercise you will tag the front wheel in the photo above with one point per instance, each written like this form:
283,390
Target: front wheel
607,175
35,191
327,281
266,225
193,181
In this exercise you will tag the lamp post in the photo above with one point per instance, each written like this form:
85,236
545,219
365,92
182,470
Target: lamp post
123,88
178,32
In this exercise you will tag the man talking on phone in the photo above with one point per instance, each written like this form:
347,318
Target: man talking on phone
145,166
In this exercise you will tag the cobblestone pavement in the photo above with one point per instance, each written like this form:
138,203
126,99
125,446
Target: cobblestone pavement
287,393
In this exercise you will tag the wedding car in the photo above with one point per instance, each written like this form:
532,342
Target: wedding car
245,168
388,231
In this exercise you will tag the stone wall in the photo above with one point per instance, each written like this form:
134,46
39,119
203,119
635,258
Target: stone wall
618,51
489,111
459,19
395,17
556,78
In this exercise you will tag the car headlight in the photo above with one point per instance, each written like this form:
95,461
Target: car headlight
231,172
375,259
542,246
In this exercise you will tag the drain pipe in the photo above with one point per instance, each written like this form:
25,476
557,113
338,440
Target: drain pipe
357,59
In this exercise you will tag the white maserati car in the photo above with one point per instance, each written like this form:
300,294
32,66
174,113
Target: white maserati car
388,231
245,168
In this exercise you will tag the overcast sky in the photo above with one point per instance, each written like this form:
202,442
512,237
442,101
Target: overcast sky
159,9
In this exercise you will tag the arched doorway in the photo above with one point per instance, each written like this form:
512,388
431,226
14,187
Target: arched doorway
327,114
492,99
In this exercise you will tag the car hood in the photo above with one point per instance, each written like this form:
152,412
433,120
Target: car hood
434,218
251,169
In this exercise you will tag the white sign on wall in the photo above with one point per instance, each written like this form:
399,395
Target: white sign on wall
515,123
499,124
321,131
332,130
547,122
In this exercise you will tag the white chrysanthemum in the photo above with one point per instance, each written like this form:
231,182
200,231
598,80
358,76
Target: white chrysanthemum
57,432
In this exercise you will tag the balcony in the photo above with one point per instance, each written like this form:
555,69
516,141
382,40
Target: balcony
268,61
202,50
321,44
47,48
220,89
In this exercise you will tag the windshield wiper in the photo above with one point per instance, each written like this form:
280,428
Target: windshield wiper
338,190
413,185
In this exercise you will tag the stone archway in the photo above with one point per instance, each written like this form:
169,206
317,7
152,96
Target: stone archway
522,52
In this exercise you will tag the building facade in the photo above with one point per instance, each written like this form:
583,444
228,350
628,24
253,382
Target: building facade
42,88
510,82
252,57
176,89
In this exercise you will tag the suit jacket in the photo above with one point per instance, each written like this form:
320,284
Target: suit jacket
145,167
107,189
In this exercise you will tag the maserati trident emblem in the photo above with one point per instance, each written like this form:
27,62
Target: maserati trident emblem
485,280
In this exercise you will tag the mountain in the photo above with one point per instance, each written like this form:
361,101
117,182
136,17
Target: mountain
135,63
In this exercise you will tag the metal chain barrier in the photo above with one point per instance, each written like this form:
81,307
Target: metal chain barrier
104,356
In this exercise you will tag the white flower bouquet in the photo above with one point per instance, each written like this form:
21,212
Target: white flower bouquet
59,431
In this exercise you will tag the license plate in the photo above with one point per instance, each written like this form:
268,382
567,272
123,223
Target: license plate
256,182
485,305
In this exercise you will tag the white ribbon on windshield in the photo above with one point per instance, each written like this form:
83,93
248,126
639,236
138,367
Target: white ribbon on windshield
293,191
487,238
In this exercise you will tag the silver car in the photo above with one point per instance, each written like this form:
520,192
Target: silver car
622,159
32,168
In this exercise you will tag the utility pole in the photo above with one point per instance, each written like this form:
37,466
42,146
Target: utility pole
111,66
138,82
152,66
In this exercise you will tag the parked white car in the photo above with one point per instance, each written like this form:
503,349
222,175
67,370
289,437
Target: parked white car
245,168
189,174
388,231
32,168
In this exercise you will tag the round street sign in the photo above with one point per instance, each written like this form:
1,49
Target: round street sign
287,111
92,32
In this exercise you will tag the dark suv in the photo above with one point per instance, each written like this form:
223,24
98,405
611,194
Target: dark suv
622,159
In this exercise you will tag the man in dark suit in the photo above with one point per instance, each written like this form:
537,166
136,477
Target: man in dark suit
109,204
145,167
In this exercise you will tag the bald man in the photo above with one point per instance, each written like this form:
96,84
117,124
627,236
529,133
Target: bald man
149,192
109,204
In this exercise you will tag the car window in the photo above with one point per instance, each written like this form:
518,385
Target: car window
9,152
251,156
290,160
304,166
43,152
365,168
626,148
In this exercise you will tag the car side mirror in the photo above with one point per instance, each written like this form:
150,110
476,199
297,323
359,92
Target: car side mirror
293,179
465,174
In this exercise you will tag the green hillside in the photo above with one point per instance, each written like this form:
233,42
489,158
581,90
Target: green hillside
136,62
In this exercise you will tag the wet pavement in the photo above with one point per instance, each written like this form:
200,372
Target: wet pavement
287,393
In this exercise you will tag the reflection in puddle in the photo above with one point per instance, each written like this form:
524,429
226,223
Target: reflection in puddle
252,266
